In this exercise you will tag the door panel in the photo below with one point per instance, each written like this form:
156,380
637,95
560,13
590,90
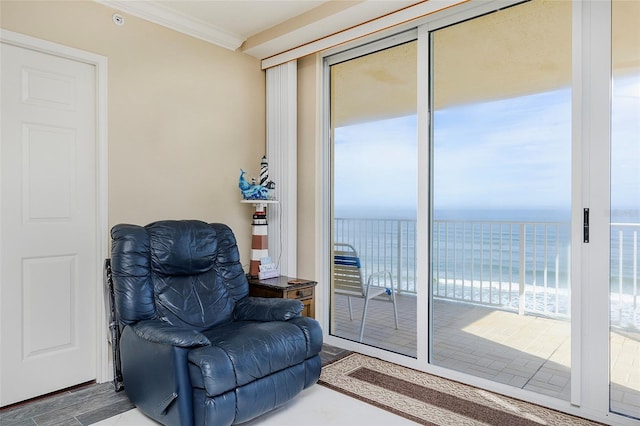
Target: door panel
625,210
48,221
48,287
374,127
501,197
48,172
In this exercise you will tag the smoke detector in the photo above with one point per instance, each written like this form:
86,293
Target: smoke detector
118,19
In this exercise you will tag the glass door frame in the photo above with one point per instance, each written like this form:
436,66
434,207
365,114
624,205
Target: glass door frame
591,123
400,36
591,103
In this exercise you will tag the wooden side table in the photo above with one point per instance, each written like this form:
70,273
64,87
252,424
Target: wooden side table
286,288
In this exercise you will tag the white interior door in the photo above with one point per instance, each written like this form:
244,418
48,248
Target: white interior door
48,223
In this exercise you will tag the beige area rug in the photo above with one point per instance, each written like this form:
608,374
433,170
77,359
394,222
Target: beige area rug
432,400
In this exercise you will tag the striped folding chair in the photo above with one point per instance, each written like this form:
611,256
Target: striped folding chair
348,281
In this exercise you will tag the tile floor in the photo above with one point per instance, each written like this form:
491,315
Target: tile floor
529,352
81,405
525,351
91,403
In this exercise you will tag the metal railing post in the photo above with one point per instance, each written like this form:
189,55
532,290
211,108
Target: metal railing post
522,271
375,245
399,261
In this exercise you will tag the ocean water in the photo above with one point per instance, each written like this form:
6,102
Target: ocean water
476,244
478,255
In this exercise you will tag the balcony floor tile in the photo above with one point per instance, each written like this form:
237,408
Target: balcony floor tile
525,351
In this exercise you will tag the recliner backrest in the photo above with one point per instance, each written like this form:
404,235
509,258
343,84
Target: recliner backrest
187,273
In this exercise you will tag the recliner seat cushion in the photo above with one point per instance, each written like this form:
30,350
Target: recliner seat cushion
252,350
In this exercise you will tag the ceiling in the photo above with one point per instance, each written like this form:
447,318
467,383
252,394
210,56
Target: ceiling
263,28
243,18
514,52
260,28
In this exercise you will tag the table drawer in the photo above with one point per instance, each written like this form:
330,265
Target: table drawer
286,288
302,293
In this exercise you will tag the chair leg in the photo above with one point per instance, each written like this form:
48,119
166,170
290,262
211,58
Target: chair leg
393,299
364,317
395,310
350,314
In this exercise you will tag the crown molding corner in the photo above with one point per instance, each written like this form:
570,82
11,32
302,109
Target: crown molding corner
176,21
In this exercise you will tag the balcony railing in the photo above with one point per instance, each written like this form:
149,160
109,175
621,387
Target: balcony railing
519,266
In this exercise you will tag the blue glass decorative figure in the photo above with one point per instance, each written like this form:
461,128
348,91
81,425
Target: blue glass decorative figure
243,184
252,191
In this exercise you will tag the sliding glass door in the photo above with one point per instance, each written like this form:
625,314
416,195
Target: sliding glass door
484,176
501,197
374,166
625,211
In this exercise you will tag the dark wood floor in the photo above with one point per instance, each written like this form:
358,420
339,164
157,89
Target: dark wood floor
87,404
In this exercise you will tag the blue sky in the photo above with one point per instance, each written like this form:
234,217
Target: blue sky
625,157
512,153
375,163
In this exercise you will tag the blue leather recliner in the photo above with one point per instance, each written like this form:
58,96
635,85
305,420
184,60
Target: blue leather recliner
194,347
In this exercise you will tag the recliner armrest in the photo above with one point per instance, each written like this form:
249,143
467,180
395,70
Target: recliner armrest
162,332
267,309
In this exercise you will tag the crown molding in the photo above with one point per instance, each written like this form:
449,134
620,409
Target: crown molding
169,18
293,45
353,16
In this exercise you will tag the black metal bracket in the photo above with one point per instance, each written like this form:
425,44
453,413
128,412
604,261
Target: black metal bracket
114,327
585,225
